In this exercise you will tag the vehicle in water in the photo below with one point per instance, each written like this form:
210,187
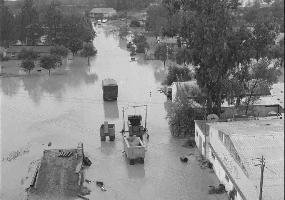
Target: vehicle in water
110,89
104,20
134,145
107,130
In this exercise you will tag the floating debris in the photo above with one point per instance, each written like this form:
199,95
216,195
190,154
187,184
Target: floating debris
101,185
184,159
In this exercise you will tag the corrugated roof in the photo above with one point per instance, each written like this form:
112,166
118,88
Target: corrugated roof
255,138
39,49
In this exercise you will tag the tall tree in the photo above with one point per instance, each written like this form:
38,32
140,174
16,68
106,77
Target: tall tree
162,52
88,51
28,15
28,65
7,24
49,62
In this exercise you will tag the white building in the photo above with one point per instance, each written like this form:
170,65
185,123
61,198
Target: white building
232,148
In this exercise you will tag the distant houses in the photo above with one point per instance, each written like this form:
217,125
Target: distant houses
14,50
234,148
100,13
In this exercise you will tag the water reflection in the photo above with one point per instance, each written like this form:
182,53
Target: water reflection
111,110
135,171
72,74
10,86
107,147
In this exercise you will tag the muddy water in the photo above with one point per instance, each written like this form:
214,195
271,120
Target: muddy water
67,108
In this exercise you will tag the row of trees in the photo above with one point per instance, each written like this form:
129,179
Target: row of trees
236,58
221,51
32,22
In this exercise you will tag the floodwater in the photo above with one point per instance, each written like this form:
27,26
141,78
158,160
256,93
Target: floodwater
67,108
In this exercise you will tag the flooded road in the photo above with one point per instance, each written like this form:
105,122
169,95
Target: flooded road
68,107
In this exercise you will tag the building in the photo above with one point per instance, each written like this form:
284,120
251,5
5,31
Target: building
41,50
233,148
186,87
100,13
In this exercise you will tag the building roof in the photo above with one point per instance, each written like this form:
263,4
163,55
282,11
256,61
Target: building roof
253,139
103,10
38,49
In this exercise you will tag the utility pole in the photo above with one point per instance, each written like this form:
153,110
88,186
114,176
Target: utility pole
262,166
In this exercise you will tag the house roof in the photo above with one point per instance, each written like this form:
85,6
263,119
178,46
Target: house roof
253,139
103,10
38,49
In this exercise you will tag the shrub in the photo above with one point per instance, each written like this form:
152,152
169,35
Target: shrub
135,23
141,47
176,73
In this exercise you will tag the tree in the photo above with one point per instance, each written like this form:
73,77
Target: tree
7,24
253,81
59,50
264,34
49,62
277,52
208,29
27,54
88,50
28,65
34,32
181,115
183,56
156,19
176,74
162,52
28,15
75,45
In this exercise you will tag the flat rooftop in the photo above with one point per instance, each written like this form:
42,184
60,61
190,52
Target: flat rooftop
253,139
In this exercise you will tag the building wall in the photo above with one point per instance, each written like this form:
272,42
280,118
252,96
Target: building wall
221,174
226,164
201,141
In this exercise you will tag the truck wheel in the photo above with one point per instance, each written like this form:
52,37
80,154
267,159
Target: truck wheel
132,161
112,138
103,138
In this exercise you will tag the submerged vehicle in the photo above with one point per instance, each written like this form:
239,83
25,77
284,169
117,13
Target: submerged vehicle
107,130
110,90
134,148
134,145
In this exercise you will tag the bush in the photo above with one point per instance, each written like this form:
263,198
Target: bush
139,38
135,23
181,115
176,73
141,47
59,50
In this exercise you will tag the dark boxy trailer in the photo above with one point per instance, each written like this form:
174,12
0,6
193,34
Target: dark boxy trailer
110,89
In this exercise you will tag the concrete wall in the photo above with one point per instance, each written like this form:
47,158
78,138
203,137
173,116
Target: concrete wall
201,140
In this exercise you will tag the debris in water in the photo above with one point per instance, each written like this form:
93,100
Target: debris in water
87,181
82,197
86,161
184,159
49,144
101,185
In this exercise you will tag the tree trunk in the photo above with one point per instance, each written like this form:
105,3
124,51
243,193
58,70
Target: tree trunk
88,61
49,72
250,96
164,63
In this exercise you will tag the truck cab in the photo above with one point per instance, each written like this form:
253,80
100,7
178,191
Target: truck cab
110,90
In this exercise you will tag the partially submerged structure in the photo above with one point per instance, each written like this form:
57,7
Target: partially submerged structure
14,50
234,149
59,175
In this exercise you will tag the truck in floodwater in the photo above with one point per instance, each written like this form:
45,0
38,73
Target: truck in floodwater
110,89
